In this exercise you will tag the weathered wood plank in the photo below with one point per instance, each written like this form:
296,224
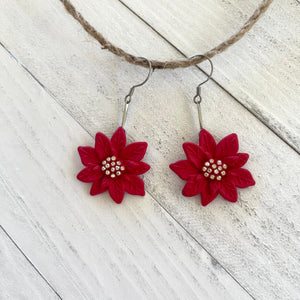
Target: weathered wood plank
256,239
18,278
262,71
88,247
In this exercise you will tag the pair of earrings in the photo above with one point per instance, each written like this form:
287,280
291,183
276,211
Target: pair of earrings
210,168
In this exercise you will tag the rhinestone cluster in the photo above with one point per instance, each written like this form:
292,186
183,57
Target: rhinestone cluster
214,170
112,167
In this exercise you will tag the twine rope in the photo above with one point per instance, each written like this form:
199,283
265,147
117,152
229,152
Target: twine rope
172,64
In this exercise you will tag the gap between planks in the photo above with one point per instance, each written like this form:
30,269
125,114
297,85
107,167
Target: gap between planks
150,194
257,116
30,262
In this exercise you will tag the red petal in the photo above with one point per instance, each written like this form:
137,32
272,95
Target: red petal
236,161
228,191
229,145
118,140
210,192
102,145
242,178
207,142
134,185
99,186
88,155
134,151
194,186
136,167
194,154
184,168
90,173
116,190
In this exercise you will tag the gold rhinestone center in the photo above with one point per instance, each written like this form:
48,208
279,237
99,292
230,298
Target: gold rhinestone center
214,169
112,167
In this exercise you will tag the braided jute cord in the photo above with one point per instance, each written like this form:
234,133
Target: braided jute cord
172,64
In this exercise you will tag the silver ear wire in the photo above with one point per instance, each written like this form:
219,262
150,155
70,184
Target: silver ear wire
197,98
131,91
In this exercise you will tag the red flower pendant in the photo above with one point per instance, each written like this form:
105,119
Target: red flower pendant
113,166
213,168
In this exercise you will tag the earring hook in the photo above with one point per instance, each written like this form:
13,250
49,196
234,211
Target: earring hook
197,98
132,89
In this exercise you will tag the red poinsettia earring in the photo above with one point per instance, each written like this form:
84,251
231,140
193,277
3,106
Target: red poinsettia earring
113,166
211,169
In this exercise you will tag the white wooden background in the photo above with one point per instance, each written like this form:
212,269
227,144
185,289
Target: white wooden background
58,88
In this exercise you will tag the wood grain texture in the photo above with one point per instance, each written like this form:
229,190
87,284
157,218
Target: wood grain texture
18,278
256,239
88,247
262,71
